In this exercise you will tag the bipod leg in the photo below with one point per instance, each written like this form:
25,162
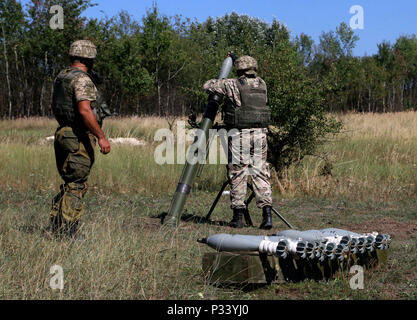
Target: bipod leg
246,215
213,206
282,218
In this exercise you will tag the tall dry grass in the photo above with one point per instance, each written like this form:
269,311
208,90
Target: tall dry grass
374,158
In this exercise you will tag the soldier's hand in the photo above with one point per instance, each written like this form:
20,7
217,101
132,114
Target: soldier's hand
104,145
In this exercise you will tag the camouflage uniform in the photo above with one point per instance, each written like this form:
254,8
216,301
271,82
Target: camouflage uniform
74,154
257,169
239,170
74,144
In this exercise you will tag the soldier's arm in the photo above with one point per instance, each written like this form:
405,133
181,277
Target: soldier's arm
90,121
85,92
215,86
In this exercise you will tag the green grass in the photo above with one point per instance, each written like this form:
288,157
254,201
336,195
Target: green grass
128,255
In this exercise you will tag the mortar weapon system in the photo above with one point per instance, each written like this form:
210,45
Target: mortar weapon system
191,168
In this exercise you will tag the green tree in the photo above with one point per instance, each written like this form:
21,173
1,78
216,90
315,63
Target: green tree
46,50
119,62
304,44
406,50
157,37
11,37
334,67
299,119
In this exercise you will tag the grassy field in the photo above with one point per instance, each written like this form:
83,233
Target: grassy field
127,255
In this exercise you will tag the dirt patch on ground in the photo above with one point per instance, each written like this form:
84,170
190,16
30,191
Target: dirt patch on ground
398,229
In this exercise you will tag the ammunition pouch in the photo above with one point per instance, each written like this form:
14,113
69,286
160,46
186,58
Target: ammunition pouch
242,119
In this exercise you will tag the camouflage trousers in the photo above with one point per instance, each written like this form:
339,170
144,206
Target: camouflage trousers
74,154
247,156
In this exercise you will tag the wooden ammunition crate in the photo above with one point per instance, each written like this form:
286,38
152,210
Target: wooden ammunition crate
255,268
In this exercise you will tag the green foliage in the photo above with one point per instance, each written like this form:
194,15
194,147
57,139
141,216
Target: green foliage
158,65
299,120
304,44
384,82
12,18
54,43
121,63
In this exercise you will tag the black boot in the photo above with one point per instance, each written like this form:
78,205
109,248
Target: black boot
267,218
237,219
73,232
54,229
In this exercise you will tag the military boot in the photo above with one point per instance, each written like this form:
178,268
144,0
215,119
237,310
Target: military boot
237,219
72,231
266,218
54,229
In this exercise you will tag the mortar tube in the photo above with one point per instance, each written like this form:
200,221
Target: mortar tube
190,170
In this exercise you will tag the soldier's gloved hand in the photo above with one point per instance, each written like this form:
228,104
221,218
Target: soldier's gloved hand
233,56
104,145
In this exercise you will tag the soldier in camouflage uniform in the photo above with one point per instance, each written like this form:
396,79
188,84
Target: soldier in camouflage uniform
247,114
78,108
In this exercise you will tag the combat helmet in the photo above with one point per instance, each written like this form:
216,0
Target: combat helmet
83,49
247,64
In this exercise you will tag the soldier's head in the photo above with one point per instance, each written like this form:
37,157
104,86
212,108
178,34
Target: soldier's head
246,65
83,51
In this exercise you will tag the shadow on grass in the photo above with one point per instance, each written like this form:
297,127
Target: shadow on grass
30,229
187,217
244,287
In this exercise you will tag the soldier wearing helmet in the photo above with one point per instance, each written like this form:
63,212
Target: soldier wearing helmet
79,109
247,117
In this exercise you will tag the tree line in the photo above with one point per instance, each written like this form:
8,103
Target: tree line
157,65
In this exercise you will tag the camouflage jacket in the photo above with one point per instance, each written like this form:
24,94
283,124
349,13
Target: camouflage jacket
228,88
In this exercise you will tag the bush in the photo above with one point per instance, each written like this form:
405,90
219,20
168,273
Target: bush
299,121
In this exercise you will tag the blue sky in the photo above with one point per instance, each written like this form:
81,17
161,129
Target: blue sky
383,19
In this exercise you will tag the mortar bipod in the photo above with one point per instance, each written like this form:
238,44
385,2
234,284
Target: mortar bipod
247,217
246,214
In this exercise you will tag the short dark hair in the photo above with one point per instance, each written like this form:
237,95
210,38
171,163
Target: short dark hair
85,61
